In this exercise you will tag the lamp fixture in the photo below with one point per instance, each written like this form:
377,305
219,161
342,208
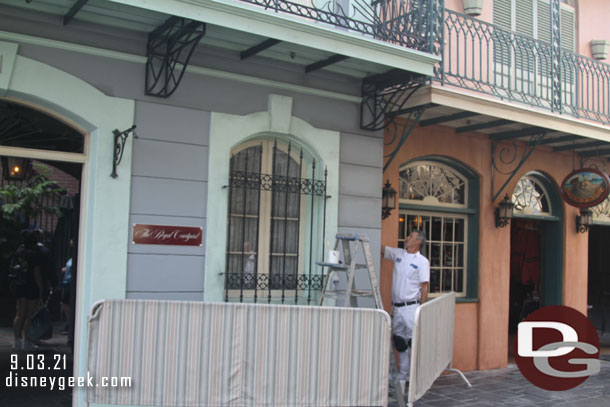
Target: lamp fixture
388,199
15,168
584,221
504,212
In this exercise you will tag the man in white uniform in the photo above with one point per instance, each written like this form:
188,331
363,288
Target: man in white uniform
410,281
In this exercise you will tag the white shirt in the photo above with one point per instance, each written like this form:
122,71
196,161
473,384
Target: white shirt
410,271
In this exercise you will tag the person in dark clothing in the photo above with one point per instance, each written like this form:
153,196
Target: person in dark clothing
29,292
49,275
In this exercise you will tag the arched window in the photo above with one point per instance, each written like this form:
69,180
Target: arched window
531,198
435,197
275,215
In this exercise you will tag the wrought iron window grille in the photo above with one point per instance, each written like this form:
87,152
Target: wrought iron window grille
268,217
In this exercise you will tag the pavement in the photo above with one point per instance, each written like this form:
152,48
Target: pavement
490,388
509,388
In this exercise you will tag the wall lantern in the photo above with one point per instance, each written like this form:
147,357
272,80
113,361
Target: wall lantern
504,212
388,200
15,168
584,221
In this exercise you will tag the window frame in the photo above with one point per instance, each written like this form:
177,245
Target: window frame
262,253
470,210
427,251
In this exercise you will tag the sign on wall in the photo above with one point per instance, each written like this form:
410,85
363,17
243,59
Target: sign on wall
167,235
585,187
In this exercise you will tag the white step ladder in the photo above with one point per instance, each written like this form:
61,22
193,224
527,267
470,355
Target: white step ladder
351,244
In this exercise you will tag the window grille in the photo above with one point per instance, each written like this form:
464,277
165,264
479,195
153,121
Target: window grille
275,205
530,198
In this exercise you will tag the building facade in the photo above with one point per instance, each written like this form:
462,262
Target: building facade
271,127
517,104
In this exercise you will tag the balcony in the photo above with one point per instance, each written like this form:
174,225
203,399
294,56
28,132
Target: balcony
484,58
403,23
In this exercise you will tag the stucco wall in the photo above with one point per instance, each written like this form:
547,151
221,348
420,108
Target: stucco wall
171,155
486,323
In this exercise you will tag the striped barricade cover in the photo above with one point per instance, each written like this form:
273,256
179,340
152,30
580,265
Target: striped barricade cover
432,343
220,354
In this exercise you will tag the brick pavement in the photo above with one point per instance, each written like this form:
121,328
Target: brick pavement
508,388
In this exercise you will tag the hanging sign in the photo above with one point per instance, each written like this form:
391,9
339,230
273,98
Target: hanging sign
585,187
167,235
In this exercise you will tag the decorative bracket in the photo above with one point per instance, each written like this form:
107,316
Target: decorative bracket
507,156
120,137
168,51
385,96
411,123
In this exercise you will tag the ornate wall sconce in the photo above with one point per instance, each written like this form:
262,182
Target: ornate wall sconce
388,200
15,168
504,212
584,221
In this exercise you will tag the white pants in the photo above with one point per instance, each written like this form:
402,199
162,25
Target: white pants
403,319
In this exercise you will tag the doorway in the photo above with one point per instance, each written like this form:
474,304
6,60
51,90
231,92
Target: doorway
526,284
40,182
599,279
536,254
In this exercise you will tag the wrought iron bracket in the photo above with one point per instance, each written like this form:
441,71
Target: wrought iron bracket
168,51
411,123
120,138
507,156
385,96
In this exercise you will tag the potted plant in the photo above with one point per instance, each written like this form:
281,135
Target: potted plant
473,7
599,48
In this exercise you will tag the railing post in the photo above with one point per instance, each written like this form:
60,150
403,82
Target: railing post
556,56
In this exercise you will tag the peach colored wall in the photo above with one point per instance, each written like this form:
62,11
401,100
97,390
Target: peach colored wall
458,5
592,24
482,342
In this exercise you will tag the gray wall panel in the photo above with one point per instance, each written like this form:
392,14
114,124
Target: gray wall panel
153,158
168,296
170,123
362,150
165,249
358,212
164,273
359,181
157,196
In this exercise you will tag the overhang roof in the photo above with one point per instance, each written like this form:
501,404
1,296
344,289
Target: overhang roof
238,26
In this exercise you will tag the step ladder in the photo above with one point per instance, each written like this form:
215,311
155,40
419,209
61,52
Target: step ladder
351,244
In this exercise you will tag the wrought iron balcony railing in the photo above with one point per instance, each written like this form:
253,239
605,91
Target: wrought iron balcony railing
408,23
485,58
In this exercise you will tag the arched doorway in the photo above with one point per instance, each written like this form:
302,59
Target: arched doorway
536,248
104,201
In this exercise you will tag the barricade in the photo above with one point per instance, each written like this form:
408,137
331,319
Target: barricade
432,344
211,354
